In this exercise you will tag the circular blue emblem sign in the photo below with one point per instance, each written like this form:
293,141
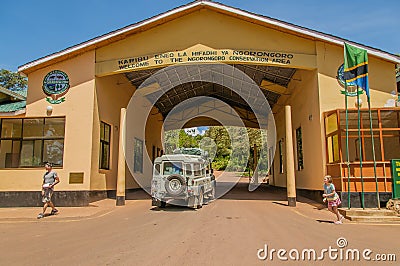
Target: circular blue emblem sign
340,77
55,85
352,89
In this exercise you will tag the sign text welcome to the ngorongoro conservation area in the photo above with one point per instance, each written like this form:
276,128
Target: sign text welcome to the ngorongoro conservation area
203,54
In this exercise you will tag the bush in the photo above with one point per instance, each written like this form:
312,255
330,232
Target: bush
220,163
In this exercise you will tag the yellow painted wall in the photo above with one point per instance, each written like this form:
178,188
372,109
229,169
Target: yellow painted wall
209,28
78,109
382,79
279,179
112,94
146,127
303,100
154,131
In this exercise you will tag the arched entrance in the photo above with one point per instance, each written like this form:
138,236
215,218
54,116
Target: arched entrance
193,95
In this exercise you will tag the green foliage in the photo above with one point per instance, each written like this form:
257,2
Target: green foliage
187,141
220,163
217,140
12,81
221,137
171,141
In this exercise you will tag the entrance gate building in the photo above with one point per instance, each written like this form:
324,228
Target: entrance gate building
292,66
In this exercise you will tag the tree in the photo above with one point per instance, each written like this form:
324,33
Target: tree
171,141
12,80
178,138
187,141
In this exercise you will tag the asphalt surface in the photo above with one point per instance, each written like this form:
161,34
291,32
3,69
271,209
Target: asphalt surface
227,231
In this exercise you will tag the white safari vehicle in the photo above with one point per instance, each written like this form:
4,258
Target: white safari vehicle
184,176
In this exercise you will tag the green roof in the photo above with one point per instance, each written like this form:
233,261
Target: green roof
23,93
18,94
12,107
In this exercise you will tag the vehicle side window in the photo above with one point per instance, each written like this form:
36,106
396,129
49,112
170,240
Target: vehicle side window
188,169
197,170
157,169
171,168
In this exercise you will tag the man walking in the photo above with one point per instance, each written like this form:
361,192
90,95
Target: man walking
50,179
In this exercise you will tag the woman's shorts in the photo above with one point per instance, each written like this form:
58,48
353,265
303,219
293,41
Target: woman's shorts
48,192
333,203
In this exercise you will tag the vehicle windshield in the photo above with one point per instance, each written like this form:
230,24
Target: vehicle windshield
171,168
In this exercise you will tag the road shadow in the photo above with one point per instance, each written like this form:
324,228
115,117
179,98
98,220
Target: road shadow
172,208
279,203
137,194
325,221
178,206
47,215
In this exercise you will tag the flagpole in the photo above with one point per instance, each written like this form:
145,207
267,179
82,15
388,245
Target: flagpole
347,145
356,70
360,149
373,153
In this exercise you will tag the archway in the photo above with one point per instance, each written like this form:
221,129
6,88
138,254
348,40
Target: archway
203,88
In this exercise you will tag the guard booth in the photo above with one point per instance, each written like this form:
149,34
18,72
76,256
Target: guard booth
386,132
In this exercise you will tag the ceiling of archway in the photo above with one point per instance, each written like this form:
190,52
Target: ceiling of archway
275,76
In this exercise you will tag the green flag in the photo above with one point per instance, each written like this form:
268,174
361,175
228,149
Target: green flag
356,66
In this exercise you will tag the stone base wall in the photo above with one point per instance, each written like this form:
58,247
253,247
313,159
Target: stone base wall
60,198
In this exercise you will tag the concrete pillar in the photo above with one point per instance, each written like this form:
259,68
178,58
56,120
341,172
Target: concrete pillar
290,178
121,161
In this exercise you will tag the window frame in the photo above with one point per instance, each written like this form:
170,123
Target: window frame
21,139
281,157
136,156
103,143
299,149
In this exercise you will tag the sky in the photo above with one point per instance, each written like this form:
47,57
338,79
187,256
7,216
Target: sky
194,131
33,29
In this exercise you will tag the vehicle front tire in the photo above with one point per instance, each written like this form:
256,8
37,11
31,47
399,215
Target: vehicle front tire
154,202
163,204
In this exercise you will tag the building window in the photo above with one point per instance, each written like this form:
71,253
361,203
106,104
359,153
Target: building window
299,143
29,142
332,137
138,156
105,137
281,157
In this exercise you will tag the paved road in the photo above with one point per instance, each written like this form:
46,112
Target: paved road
228,231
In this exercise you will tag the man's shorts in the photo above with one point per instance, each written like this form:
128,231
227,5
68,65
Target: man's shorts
48,192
